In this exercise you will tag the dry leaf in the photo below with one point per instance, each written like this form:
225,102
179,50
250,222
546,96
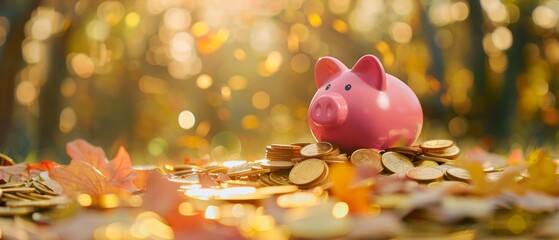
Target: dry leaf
81,150
343,176
81,177
542,170
14,172
120,171
103,177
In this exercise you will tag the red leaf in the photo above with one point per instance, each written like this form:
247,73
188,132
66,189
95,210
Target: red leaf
121,173
81,150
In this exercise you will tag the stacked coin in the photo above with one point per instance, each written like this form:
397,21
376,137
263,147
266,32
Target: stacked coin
26,197
283,152
325,151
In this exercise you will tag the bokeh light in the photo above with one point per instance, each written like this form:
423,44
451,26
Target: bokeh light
207,80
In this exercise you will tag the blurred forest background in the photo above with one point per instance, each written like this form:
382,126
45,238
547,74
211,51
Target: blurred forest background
220,79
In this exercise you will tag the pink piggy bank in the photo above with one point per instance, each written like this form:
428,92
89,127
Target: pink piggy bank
362,107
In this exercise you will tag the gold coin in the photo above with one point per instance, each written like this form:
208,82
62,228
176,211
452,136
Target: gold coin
6,161
405,150
307,171
340,157
458,174
424,174
182,167
335,151
302,144
277,165
320,180
265,178
280,177
43,188
396,162
438,144
9,211
286,147
12,185
239,169
317,149
447,183
18,189
367,157
425,163
432,158
451,152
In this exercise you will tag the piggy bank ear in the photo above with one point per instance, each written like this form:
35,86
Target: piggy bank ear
371,71
326,68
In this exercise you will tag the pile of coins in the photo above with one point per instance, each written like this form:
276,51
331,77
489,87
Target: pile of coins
26,197
425,163
303,164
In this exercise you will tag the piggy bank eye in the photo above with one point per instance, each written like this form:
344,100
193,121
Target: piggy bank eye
328,86
348,87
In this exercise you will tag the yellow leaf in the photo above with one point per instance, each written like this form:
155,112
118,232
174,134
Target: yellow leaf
542,171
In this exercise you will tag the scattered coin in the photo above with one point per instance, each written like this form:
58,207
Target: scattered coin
367,157
458,174
405,150
316,149
280,177
277,165
425,163
451,152
438,144
307,171
424,174
396,162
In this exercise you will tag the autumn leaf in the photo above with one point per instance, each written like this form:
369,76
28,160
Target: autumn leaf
344,176
81,150
14,172
120,171
117,173
81,177
542,171
479,183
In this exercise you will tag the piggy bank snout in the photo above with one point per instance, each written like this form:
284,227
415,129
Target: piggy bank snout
329,110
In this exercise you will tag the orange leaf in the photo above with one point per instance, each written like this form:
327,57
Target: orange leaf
343,176
121,173
81,177
81,150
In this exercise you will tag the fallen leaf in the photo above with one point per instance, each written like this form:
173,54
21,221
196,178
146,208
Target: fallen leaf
81,177
343,176
542,170
116,176
14,172
120,171
81,150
